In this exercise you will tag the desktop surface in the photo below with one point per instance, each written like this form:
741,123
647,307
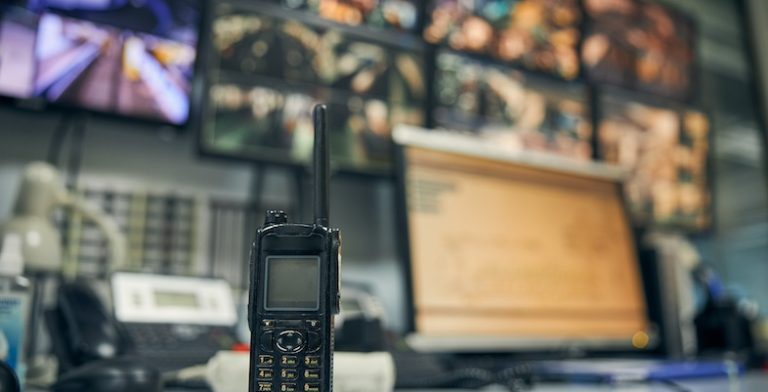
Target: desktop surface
752,382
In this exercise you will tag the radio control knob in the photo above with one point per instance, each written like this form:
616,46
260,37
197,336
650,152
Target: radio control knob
290,341
275,217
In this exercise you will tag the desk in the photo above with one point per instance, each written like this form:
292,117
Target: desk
753,382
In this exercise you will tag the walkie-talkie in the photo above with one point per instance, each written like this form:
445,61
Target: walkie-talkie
294,292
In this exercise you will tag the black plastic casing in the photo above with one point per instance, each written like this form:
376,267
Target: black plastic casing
284,239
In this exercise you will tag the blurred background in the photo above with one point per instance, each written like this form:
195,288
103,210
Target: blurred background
180,121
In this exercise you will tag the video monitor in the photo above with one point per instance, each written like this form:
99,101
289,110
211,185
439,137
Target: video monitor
298,53
504,255
665,151
540,35
368,86
509,108
641,45
17,51
135,59
274,124
401,15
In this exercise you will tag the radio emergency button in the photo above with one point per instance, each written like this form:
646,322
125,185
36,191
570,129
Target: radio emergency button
275,217
290,341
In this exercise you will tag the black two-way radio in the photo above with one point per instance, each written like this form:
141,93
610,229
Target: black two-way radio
294,292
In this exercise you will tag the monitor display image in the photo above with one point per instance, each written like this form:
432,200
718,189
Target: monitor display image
540,35
665,151
549,260
17,52
273,70
639,44
275,124
511,109
402,15
119,57
300,53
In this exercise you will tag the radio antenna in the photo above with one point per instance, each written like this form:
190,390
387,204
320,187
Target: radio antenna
322,167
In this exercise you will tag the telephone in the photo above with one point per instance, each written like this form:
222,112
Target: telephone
166,322
81,328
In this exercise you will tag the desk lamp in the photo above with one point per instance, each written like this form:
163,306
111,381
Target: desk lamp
40,194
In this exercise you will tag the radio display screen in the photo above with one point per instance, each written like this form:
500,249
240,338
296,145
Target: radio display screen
293,283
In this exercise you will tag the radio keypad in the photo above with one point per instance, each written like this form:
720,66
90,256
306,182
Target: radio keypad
312,361
312,374
289,360
289,374
290,370
266,360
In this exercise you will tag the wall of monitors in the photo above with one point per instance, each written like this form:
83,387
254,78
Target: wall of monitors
524,74
402,15
509,108
273,69
665,149
640,45
538,35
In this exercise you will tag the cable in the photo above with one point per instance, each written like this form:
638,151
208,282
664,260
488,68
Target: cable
514,379
674,386
57,139
76,151
470,378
